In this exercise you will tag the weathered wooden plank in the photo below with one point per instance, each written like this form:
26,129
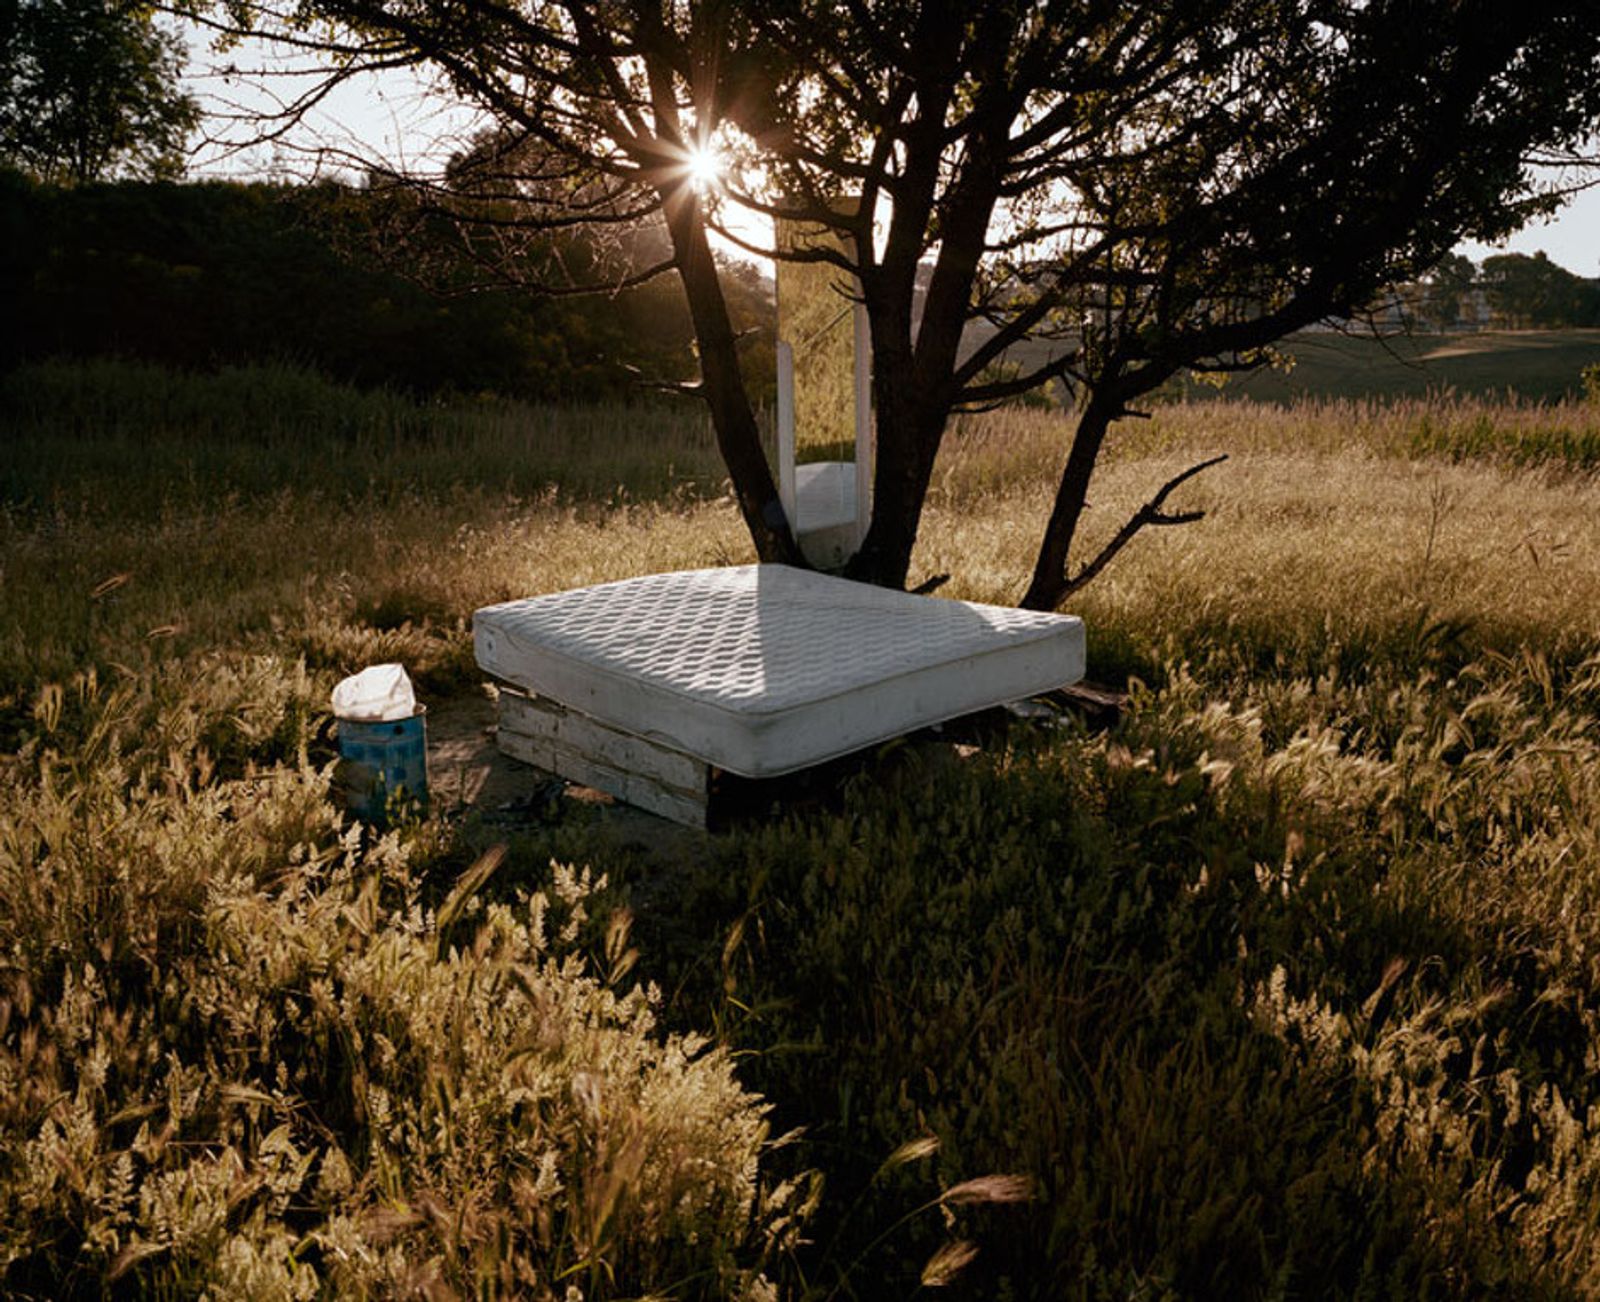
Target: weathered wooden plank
682,804
535,716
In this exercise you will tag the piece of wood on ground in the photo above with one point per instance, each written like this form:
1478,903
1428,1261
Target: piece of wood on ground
1100,707
631,768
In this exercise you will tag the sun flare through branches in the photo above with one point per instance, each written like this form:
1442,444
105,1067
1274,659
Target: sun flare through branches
704,165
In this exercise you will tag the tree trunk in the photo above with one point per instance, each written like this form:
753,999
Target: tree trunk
1049,584
908,435
738,434
912,398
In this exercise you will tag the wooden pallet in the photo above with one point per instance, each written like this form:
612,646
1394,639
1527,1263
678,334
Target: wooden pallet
633,769
637,771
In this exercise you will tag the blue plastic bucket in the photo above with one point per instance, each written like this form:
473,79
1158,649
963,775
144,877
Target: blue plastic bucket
384,763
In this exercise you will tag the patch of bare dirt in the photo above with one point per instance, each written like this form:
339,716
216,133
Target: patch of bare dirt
465,768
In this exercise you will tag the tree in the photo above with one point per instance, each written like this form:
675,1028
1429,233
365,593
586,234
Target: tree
1105,192
201,275
1531,292
1443,288
88,88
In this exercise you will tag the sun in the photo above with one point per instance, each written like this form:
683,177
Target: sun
705,166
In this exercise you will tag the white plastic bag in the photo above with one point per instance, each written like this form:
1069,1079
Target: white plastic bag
377,694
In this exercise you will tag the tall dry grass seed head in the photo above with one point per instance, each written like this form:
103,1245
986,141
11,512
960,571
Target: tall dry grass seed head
1293,987
236,1058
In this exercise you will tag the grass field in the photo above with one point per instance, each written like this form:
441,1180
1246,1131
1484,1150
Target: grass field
1542,365
1289,985
1329,366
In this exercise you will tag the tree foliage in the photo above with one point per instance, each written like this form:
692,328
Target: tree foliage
1440,294
89,88
1534,291
196,276
1100,194
1510,291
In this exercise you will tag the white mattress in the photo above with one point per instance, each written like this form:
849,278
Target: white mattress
764,669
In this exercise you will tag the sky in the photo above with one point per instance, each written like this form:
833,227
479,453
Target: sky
394,117
1572,238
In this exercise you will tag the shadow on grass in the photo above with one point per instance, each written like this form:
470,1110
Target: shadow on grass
1235,1052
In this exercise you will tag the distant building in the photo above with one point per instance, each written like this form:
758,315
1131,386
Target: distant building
1473,312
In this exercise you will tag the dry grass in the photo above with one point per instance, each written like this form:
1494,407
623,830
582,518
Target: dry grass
1285,987
342,580
1306,543
1323,525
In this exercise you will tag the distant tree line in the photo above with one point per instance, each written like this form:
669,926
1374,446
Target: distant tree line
343,279
1508,291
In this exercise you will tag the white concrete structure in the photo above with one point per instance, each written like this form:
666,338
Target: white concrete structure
828,503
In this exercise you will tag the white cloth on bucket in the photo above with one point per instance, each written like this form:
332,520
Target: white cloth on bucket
377,694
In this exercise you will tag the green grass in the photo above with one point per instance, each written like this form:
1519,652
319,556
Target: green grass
1286,986
1538,365
1328,366
141,439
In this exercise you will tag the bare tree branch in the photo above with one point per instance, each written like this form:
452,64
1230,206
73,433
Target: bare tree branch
1150,515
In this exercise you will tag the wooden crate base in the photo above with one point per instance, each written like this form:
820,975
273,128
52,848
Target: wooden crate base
677,786
633,769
